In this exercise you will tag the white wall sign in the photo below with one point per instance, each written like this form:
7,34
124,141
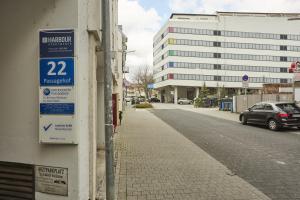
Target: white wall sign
245,84
57,94
57,129
51,180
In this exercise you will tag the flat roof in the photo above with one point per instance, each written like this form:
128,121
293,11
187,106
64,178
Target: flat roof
259,13
224,12
189,14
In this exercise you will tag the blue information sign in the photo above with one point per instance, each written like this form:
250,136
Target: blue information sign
56,43
57,72
57,108
151,86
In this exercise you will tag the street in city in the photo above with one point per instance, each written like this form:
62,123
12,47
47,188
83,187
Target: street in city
170,152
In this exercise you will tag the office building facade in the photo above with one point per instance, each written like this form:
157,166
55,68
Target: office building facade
217,50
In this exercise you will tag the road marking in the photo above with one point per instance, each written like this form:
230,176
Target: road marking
140,109
296,133
280,162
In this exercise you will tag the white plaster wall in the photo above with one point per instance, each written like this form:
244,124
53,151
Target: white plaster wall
100,103
92,114
20,22
119,88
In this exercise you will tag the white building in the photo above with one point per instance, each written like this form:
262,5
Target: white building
219,49
69,165
121,45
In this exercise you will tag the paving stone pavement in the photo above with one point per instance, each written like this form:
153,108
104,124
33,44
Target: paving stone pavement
154,161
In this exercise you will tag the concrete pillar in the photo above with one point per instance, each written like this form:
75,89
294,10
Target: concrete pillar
239,91
197,92
175,94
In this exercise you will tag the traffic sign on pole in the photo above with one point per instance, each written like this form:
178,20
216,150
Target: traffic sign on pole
245,81
245,78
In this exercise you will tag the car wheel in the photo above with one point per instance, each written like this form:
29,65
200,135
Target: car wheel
243,120
180,103
273,125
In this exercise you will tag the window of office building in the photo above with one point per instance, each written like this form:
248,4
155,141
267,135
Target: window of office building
216,32
283,37
217,66
283,48
217,55
171,53
283,69
216,44
283,58
217,78
283,80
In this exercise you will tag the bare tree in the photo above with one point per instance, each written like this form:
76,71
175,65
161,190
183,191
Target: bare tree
143,77
137,79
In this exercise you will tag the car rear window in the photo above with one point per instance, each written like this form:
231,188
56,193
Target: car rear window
288,107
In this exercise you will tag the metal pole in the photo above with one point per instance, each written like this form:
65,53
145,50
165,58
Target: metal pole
109,154
246,97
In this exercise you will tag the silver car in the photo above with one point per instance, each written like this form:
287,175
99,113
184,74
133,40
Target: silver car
182,101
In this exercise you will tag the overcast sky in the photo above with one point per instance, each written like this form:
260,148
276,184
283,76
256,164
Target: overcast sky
141,19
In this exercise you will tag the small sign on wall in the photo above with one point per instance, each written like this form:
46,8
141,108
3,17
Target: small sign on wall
51,180
57,43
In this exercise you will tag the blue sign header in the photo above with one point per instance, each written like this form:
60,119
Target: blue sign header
56,43
57,72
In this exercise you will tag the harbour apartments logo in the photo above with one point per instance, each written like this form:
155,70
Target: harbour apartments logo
66,40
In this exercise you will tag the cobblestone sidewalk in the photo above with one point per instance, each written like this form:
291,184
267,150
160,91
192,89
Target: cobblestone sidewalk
154,161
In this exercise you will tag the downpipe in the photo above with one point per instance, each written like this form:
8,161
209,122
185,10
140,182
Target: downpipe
109,154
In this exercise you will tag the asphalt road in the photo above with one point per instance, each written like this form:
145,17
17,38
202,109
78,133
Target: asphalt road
270,161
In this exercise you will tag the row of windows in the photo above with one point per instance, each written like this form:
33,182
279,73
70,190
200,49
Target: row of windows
227,34
221,78
162,78
161,37
160,48
227,45
236,45
222,67
234,34
160,58
233,56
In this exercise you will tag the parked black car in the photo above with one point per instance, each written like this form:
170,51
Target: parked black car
154,100
273,115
